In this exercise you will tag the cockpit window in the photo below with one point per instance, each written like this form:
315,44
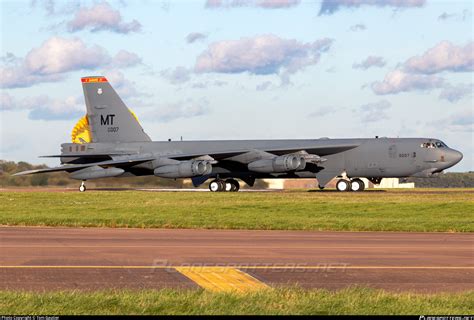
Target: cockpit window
431,145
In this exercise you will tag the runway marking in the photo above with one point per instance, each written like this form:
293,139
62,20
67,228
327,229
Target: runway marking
222,279
287,267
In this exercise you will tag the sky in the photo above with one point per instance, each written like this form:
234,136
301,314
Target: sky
240,69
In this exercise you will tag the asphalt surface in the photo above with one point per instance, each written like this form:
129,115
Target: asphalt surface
37,258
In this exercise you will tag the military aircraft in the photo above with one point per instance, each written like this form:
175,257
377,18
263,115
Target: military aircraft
110,142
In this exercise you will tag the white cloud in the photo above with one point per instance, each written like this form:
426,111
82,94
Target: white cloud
195,36
124,87
6,101
57,56
206,84
265,54
331,6
419,72
370,61
266,4
177,75
443,57
323,111
124,59
398,81
456,93
20,77
358,27
100,17
264,86
372,112
53,7
462,121
183,109
44,107
48,5
465,14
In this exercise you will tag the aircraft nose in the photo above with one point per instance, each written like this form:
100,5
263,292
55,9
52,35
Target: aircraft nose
454,156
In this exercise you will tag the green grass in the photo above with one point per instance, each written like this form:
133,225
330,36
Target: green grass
409,210
276,301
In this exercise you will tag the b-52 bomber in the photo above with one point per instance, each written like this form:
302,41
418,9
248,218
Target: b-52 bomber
115,145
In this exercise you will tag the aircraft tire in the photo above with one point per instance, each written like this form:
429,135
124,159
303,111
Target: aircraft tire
343,185
82,188
222,187
215,186
357,185
235,186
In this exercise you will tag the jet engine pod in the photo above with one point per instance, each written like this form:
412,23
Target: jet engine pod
277,164
302,165
184,169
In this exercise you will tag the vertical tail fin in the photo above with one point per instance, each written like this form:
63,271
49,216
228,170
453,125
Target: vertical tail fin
109,118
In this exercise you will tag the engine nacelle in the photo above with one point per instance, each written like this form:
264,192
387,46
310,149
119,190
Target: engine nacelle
278,164
184,169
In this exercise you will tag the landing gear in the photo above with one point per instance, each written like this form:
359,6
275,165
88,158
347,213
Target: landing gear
217,186
82,188
229,185
352,185
343,185
357,185
234,185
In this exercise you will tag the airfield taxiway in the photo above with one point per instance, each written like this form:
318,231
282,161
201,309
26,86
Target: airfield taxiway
44,258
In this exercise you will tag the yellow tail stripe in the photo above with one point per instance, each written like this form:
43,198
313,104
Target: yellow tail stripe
222,279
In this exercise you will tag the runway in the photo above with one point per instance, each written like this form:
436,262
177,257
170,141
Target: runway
40,258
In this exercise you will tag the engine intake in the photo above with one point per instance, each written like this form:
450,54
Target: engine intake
278,164
184,169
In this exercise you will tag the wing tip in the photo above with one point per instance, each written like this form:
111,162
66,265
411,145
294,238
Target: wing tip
24,173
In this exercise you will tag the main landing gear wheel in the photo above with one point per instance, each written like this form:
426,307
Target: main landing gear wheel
343,185
357,185
229,185
234,185
217,186
82,188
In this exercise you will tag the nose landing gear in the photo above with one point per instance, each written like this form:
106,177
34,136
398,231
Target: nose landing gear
82,188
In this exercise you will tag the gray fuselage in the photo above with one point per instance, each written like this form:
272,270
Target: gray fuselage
370,158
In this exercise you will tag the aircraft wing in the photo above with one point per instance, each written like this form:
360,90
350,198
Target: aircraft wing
248,155
244,156
74,167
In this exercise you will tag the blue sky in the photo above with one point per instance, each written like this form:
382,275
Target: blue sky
240,69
